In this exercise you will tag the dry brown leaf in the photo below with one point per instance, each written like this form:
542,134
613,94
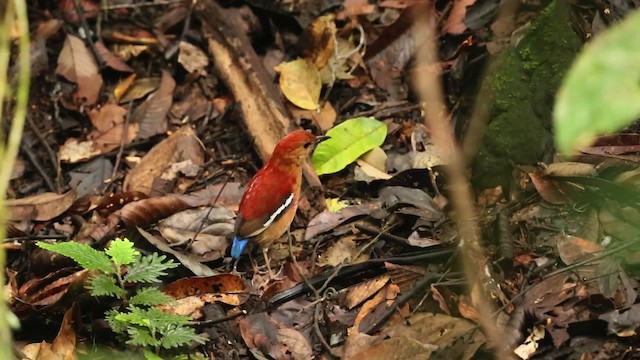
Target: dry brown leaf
110,59
151,115
225,288
207,229
180,146
109,131
147,211
319,40
295,343
300,83
192,58
344,249
325,117
362,291
73,151
573,249
63,346
76,64
40,207
455,21
549,189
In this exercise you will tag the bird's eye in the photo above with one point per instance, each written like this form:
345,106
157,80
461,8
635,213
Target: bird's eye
307,145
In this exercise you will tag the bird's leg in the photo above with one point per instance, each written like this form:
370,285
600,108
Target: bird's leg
235,266
265,252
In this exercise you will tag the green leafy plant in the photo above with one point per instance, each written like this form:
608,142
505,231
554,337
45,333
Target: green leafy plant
348,141
115,269
601,92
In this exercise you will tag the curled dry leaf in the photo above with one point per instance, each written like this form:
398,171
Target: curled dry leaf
226,288
147,211
76,64
300,83
40,207
151,115
114,202
180,146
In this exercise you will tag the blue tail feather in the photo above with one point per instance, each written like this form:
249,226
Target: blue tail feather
237,247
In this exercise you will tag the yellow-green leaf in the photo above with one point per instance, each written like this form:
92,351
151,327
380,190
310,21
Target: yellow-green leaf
348,141
300,83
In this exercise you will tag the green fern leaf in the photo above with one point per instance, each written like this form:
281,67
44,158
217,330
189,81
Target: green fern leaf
122,252
105,285
150,296
141,337
178,336
151,318
86,256
150,355
149,269
117,326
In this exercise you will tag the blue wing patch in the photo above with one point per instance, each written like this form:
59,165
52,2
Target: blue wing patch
237,247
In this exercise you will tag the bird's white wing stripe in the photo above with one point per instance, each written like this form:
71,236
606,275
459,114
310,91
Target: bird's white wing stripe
279,211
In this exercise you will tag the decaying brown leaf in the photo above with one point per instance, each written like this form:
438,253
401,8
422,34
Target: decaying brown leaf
183,145
360,292
40,207
206,229
108,122
344,249
226,288
192,58
264,336
76,64
63,346
151,115
110,59
423,334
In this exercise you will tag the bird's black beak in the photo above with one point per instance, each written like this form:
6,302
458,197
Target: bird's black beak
321,138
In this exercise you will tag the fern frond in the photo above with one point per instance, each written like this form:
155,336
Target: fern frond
86,256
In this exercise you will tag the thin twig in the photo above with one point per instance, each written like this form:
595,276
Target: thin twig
33,159
139,5
123,141
429,88
53,158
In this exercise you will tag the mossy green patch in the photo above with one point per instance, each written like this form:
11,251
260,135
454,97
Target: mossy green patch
522,82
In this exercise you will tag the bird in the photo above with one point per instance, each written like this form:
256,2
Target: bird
270,200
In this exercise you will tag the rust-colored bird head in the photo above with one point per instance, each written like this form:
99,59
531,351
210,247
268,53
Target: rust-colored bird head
294,148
